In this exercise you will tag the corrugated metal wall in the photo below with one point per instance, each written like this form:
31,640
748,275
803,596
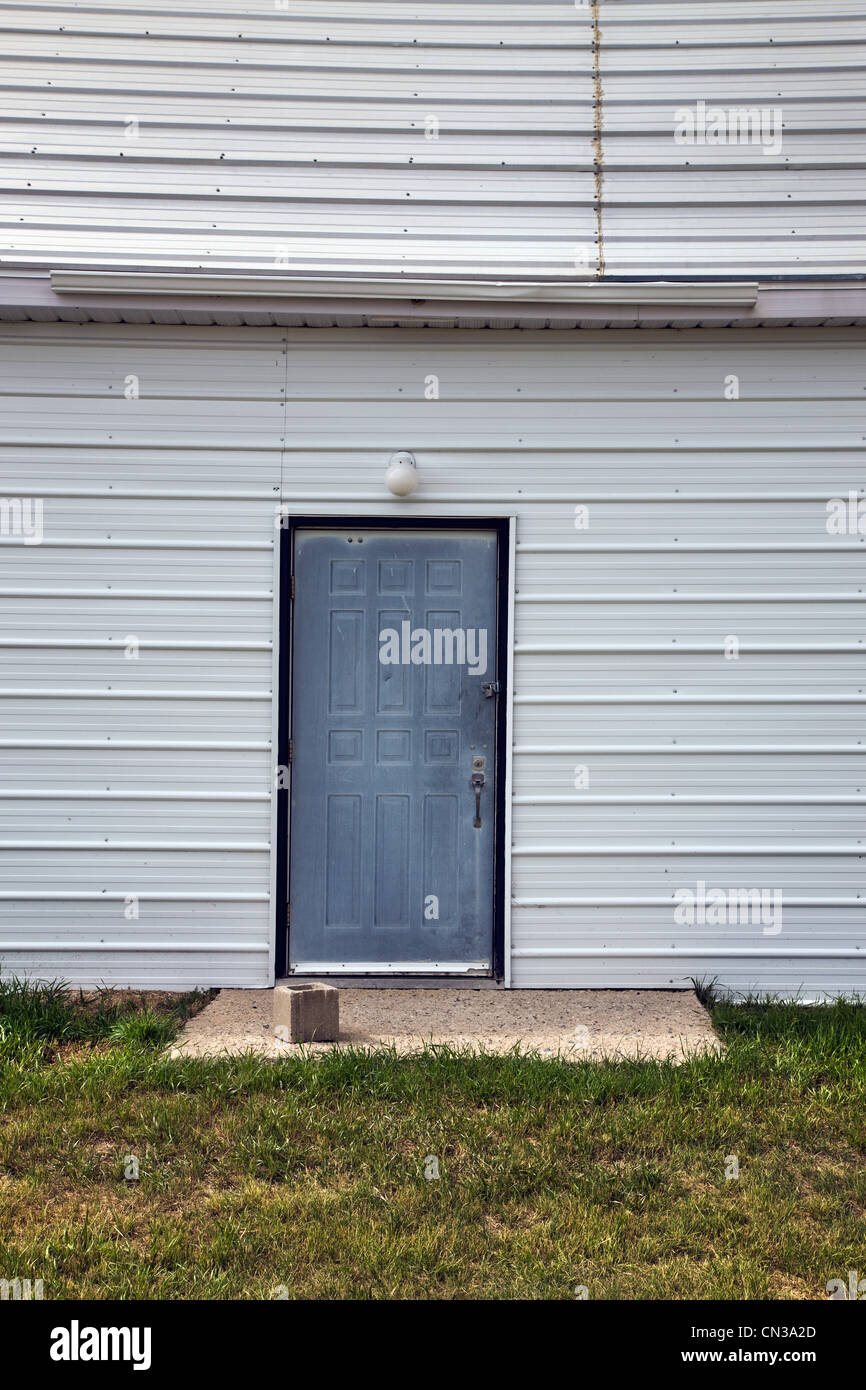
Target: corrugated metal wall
794,208
707,521
447,137
145,778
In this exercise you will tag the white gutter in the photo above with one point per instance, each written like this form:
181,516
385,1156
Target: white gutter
735,293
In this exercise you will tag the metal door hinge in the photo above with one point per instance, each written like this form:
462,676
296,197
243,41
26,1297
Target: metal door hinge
291,749
288,914
293,588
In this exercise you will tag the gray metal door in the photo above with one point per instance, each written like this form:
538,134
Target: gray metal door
394,750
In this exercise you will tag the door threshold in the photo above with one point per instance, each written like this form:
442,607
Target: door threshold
399,981
392,967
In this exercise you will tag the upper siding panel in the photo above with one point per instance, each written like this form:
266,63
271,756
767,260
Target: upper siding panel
449,138
789,202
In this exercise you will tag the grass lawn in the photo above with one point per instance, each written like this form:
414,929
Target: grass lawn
309,1173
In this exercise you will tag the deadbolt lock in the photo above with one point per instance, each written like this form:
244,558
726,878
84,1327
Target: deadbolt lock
479,764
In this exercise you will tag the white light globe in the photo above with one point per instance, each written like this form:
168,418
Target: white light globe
401,475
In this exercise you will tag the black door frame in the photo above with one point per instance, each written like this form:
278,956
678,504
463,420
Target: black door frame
499,524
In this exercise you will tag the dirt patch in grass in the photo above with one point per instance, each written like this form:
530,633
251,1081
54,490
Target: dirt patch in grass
127,1001
116,1004
76,1051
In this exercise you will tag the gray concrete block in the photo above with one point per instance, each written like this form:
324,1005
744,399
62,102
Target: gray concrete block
306,1013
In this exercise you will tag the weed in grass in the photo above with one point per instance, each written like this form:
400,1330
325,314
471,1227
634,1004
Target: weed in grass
147,1029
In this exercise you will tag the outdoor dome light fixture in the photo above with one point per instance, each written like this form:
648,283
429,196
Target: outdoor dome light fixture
401,475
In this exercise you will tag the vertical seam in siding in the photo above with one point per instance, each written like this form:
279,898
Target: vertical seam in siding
279,858
597,135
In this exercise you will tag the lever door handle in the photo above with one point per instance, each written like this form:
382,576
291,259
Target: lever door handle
477,784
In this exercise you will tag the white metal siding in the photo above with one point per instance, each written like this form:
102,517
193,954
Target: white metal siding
711,209
707,519
297,137
151,776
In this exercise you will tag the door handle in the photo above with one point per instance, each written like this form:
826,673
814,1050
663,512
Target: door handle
477,784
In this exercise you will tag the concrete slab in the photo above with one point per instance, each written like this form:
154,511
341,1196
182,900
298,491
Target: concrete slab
577,1024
